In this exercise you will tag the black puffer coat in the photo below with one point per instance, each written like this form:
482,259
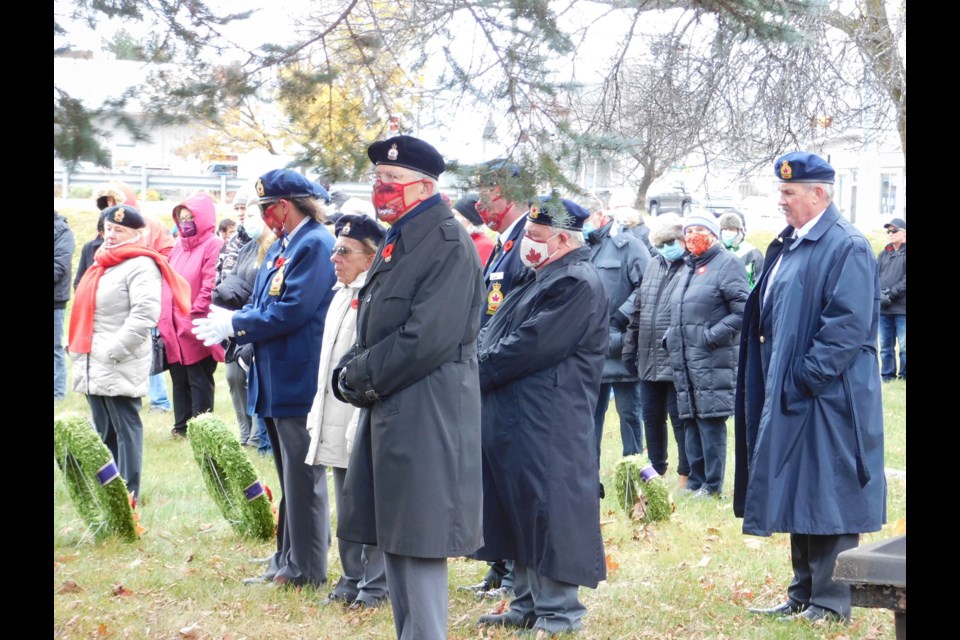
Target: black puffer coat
643,343
704,335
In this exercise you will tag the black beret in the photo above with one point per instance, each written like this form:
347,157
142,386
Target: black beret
359,227
288,184
124,215
467,207
801,166
409,152
570,216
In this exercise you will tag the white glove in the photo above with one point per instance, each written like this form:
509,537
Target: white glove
216,327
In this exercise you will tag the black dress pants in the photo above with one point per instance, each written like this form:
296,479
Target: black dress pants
193,389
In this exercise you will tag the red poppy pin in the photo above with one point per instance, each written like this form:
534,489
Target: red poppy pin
279,262
702,270
507,246
355,304
387,252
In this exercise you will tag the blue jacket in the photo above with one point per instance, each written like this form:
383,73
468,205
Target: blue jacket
285,323
809,421
505,269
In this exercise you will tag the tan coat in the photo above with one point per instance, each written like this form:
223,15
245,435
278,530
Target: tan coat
127,308
331,423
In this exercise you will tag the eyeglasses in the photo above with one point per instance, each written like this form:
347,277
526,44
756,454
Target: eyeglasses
892,231
342,251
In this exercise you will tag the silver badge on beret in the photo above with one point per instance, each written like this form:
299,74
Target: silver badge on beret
392,153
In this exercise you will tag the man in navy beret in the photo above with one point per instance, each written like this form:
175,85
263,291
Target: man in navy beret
284,322
413,481
810,458
541,361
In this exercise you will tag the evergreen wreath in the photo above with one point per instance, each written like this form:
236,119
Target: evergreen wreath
93,482
652,494
230,478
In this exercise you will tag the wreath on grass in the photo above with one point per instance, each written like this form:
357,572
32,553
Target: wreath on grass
93,481
230,477
641,492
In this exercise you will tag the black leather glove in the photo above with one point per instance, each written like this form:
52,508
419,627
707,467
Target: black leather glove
345,393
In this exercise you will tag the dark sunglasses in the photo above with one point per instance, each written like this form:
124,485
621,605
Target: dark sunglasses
892,231
342,251
663,244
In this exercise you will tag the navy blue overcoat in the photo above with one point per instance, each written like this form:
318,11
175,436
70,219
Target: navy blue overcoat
809,421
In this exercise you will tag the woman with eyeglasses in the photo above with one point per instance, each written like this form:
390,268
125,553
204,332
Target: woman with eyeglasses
332,423
704,342
643,349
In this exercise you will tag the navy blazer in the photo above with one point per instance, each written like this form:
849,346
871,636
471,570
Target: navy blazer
285,323
512,272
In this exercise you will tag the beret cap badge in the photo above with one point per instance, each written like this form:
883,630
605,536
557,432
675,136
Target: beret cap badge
786,171
534,211
118,215
392,154
346,230
260,190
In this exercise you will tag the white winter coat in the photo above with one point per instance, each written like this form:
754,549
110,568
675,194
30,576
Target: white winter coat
333,424
127,308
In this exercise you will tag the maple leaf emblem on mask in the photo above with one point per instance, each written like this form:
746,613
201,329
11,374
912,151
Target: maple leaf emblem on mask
534,256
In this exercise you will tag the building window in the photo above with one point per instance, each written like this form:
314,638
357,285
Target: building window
888,193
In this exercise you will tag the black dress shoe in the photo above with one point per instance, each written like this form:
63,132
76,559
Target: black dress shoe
338,598
359,604
788,608
483,585
508,619
816,614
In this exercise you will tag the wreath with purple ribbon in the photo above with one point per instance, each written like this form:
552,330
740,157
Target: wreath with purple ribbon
92,479
230,478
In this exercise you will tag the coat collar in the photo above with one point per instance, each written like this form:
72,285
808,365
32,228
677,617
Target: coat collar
577,255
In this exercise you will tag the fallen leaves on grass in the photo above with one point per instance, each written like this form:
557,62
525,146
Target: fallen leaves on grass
900,527
192,631
69,586
121,591
612,565
704,561
102,630
501,607
752,543
741,595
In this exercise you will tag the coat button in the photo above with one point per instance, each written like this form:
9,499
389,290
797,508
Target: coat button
762,340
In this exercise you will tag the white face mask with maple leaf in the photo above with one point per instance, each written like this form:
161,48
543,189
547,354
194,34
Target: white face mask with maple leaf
534,253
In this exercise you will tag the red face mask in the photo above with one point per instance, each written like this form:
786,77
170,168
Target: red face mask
271,220
698,243
492,220
390,200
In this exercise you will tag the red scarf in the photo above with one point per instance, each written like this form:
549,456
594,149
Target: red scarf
85,300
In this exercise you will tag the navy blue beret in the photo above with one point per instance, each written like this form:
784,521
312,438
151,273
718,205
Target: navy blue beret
124,215
409,152
359,227
288,184
467,207
801,166
571,216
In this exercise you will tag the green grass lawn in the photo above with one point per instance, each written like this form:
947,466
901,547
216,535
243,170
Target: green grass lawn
690,577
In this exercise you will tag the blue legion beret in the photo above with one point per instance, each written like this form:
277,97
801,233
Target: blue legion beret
467,207
571,216
801,166
358,227
124,215
409,152
286,183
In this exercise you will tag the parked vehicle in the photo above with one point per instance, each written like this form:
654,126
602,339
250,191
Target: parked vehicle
228,169
674,200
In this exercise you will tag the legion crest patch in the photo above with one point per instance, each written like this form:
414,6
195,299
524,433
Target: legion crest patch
786,171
